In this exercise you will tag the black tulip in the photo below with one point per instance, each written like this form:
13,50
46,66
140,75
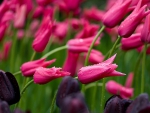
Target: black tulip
9,89
4,107
74,103
145,110
116,104
66,87
138,104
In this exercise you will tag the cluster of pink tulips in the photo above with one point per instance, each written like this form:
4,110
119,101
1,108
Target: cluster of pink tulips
31,31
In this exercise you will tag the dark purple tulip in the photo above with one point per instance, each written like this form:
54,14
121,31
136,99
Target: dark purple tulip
74,103
66,87
141,102
4,107
116,104
9,89
146,109
18,111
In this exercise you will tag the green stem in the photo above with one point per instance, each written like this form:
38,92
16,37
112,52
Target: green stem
12,58
143,68
23,90
91,46
33,55
16,73
55,50
53,102
104,80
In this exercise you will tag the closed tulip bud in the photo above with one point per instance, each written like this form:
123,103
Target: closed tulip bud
145,34
116,104
66,87
4,107
146,109
9,89
116,13
138,104
129,25
74,103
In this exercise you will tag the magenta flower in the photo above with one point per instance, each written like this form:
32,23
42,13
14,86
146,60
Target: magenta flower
70,63
129,25
116,13
145,34
80,45
38,11
45,75
129,80
29,68
132,42
3,28
3,8
44,2
43,34
95,72
8,16
117,89
93,14
20,16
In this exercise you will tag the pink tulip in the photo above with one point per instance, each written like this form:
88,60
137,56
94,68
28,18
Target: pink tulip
70,63
44,2
95,57
43,34
129,80
131,42
3,28
116,13
95,72
38,11
29,68
145,34
77,23
93,14
117,89
80,45
20,16
8,16
129,25
45,75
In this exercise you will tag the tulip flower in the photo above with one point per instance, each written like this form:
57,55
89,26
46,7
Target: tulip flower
70,63
117,89
67,86
20,16
7,17
38,11
145,34
3,28
93,14
129,80
45,75
74,103
131,42
139,104
6,50
116,104
116,13
129,25
9,89
3,8
95,72
29,68
4,107
43,34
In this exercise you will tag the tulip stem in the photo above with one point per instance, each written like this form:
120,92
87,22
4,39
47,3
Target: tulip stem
53,102
23,90
33,55
104,80
55,50
143,68
92,44
16,73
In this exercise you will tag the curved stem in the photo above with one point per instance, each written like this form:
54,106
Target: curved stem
16,73
54,51
91,46
53,102
33,55
104,79
143,68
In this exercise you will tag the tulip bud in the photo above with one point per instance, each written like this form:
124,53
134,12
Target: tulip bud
138,104
9,89
116,104
4,107
74,103
67,86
